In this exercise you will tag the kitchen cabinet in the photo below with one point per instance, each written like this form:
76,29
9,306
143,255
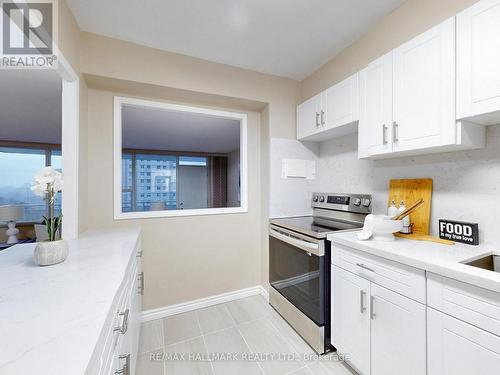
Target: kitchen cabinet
478,61
308,117
424,90
332,113
459,348
351,319
416,116
394,320
117,350
371,323
375,119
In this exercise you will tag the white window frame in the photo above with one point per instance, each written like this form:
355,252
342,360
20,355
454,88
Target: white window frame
119,102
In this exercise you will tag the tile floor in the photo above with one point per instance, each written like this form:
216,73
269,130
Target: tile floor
188,343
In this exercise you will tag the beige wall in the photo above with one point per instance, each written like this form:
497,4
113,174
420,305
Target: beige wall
409,20
188,258
117,59
69,43
184,257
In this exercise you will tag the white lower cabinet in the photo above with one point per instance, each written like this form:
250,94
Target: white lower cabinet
378,330
384,325
371,326
116,351
459,348
398,342
351,331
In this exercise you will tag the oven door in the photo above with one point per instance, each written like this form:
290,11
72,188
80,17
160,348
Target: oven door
297,271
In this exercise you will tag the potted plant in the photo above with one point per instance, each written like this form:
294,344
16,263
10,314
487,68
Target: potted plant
47,183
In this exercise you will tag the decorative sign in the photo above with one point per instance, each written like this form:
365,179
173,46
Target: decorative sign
459,231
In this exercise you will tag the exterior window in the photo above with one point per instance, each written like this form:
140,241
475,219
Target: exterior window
17,168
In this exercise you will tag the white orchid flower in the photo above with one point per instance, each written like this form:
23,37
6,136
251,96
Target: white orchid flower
47,179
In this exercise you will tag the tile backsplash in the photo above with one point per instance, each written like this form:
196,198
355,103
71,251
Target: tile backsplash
466,184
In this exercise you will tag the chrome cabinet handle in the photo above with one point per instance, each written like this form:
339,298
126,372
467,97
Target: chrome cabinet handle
125,370
122,328
395,131
384,134
317,119
372,308
322,117
141,284
364,267
362,295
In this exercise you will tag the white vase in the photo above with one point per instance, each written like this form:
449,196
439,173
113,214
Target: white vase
48,253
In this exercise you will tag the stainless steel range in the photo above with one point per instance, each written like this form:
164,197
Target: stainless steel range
299,262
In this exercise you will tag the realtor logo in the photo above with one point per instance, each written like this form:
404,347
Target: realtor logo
28,34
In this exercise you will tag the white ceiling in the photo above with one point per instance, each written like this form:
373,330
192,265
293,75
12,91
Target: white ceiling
289,38
30,106
156,129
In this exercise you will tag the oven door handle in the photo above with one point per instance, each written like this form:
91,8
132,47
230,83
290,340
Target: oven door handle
309,247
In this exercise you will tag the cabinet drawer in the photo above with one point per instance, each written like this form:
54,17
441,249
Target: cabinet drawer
466,302
113,337
394,276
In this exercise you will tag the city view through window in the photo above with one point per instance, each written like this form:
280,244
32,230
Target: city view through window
19,165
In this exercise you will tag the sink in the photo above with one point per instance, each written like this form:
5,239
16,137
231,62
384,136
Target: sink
490,263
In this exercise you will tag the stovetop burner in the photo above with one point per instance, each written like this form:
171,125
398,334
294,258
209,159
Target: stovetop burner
331,213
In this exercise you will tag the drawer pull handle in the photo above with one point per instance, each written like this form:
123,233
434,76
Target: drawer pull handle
372,308
122,328
125,370
141,284
362,295
364,267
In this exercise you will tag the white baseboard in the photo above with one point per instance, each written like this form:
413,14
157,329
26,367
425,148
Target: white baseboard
163,312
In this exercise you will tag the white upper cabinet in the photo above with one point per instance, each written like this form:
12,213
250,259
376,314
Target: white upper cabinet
478,63
308,117
416,115
341,103
332,113
375,121
424,90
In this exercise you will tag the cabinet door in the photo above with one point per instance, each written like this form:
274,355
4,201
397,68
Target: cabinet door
398,341
340,103
135,315
458,348
351,319
478,61
424,90
375,119
308,117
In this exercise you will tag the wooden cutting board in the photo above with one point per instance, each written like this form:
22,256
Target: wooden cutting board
410,191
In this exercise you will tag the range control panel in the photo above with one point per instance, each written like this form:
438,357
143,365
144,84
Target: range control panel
361,203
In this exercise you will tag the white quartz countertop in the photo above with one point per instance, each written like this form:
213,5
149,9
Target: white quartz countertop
444,260
51,317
